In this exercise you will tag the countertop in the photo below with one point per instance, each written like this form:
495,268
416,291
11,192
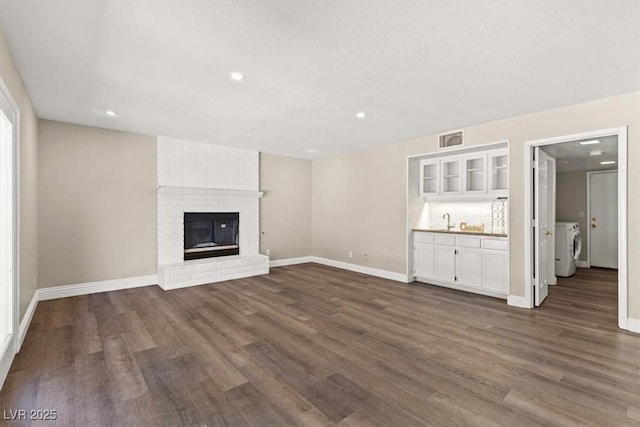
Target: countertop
473,233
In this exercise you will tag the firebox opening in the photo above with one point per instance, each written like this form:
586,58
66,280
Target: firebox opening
211,234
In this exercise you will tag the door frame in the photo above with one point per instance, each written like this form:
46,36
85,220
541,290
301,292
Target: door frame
588,247
16,228
551,203
621,133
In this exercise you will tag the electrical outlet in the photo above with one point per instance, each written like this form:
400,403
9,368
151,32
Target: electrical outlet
350,254
366,258
35,282
268,252
580,214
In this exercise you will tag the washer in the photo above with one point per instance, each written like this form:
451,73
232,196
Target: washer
568,248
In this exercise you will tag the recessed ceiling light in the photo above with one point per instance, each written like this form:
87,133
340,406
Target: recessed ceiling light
236,76
361,114
564,162
593,141
595,153
111,113
608,162
311,150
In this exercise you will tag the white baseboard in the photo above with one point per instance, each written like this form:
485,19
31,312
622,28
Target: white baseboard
633,325
26,319
582,264
385,274
517,301
290,261
96,287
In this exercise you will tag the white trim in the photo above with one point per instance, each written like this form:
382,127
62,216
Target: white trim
518,301
26,319
553,279
16,235
621,133
164,189
290,261
65,291
385,274
633,325
582,264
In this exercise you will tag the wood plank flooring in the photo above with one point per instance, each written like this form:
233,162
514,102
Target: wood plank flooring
318,346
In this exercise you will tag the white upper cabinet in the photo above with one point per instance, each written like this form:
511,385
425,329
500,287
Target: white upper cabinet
475,173
498,172
450,175
430,177
483,173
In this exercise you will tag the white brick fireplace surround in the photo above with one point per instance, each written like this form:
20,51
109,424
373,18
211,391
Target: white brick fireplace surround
201,177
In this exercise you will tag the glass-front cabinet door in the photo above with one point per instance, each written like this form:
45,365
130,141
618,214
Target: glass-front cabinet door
450,175
475,173
429,174
498,172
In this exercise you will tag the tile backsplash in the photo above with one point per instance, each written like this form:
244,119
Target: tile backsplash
473,213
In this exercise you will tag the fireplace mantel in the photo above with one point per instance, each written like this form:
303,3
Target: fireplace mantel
163,189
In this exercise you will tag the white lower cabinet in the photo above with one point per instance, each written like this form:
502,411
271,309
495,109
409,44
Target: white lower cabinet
445,262
424,264
469,267
472,263
495,270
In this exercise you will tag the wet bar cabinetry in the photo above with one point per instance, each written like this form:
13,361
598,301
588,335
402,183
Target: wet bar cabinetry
481,173
473,263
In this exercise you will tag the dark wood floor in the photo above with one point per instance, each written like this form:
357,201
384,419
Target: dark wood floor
314,345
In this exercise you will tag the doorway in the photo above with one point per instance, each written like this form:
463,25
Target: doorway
597,155
8,230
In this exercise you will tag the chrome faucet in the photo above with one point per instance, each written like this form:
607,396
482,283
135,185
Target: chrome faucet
449,225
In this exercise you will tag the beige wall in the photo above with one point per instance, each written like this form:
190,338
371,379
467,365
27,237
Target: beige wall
359,199
285,208
28,176
97,204
571,198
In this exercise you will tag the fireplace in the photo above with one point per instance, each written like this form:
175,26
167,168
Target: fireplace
208,235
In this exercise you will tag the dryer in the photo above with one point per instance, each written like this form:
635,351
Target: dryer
568,248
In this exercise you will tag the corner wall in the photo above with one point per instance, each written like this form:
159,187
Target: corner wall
285,207
97,204
28,176
359,199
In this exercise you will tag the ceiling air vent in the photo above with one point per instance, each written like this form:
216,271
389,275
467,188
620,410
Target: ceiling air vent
452,139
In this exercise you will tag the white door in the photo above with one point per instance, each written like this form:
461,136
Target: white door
495,271
474,173
542,228
603,206
450,175
469,267
551,208
8,218
423,260
445,263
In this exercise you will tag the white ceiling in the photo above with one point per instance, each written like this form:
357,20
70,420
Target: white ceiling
574,157
416,68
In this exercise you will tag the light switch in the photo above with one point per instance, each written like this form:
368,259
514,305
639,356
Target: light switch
580,214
